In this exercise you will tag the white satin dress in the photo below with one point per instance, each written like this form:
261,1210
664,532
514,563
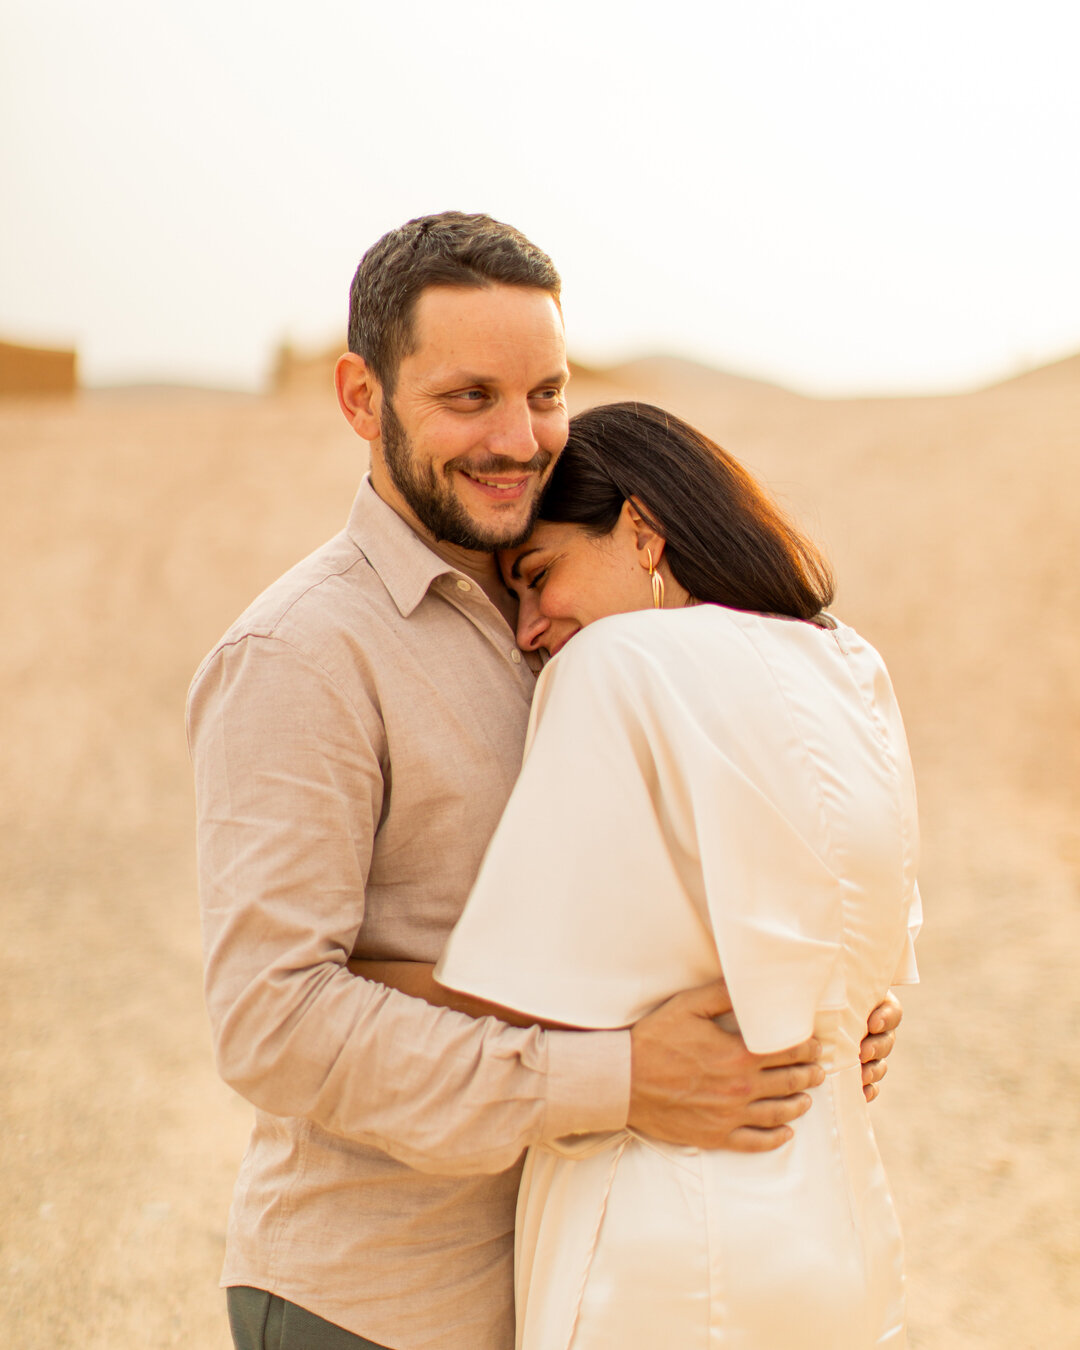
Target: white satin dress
707,789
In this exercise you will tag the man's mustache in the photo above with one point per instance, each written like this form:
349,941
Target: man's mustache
501,464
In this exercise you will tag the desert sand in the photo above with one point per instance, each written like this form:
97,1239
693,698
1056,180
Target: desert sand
134,526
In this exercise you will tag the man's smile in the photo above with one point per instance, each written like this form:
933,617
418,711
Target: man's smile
503,488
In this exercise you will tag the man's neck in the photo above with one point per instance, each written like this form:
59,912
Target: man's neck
477,565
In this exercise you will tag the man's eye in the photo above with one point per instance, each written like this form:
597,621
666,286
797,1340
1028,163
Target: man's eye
547,395
469,395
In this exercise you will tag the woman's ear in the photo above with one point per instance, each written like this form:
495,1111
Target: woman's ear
359,395
648,541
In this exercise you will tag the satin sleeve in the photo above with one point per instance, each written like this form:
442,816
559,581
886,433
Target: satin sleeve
637,856
579,913
907,970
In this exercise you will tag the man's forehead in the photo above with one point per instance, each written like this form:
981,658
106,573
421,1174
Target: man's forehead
453,323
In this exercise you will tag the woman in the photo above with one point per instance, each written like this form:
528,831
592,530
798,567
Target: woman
716,779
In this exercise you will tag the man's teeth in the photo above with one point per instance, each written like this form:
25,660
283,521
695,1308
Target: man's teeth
500,487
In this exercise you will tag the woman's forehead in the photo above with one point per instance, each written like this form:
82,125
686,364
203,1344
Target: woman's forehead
546,534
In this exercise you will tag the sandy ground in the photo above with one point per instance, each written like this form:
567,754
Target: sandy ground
133,527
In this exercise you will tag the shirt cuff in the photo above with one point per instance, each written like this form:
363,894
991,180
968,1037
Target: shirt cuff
588,1082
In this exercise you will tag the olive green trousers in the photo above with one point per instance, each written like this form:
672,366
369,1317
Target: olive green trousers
262,1321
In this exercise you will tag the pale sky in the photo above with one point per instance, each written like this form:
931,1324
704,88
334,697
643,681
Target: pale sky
843,197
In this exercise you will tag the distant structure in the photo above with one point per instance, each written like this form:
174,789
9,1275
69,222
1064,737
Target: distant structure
305,372
312,372
36,370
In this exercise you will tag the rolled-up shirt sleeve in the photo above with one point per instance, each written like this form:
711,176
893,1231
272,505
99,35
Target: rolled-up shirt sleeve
290,784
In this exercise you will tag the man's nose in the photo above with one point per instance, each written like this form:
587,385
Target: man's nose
513,434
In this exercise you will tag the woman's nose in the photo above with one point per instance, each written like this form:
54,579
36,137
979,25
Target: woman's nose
531,625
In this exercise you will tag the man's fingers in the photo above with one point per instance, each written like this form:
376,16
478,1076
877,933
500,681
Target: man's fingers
772,1112
877,1047
874,1072
780,1083
746,1139
886,1016
806,1053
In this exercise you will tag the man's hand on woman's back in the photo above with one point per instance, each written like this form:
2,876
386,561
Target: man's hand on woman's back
693,1081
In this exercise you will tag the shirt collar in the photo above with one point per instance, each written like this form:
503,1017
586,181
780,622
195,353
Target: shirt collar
404,563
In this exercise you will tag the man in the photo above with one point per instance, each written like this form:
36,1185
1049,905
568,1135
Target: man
355,737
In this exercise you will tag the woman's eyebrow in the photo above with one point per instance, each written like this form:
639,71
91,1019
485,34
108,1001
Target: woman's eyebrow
515,570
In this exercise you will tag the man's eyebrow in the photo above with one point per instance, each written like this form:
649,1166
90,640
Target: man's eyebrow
462,378
515,570
459,378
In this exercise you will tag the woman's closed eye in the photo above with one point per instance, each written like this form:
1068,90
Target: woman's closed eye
536,581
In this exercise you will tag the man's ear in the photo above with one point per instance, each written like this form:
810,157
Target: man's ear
359,395
645,536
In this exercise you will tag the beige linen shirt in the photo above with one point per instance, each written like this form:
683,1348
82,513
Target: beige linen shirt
355,737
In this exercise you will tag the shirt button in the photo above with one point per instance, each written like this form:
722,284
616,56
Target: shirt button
515,656
464,586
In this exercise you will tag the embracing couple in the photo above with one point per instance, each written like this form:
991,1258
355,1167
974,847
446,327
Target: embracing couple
637,958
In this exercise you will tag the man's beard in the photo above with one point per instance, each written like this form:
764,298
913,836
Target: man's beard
434,503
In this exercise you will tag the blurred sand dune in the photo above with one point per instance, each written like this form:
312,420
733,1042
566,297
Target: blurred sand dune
134,527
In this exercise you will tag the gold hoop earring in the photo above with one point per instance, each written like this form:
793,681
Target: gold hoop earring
657,583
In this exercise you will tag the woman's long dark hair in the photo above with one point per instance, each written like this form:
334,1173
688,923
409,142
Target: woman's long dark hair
727,541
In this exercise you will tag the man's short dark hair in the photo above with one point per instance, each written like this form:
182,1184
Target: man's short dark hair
449,249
